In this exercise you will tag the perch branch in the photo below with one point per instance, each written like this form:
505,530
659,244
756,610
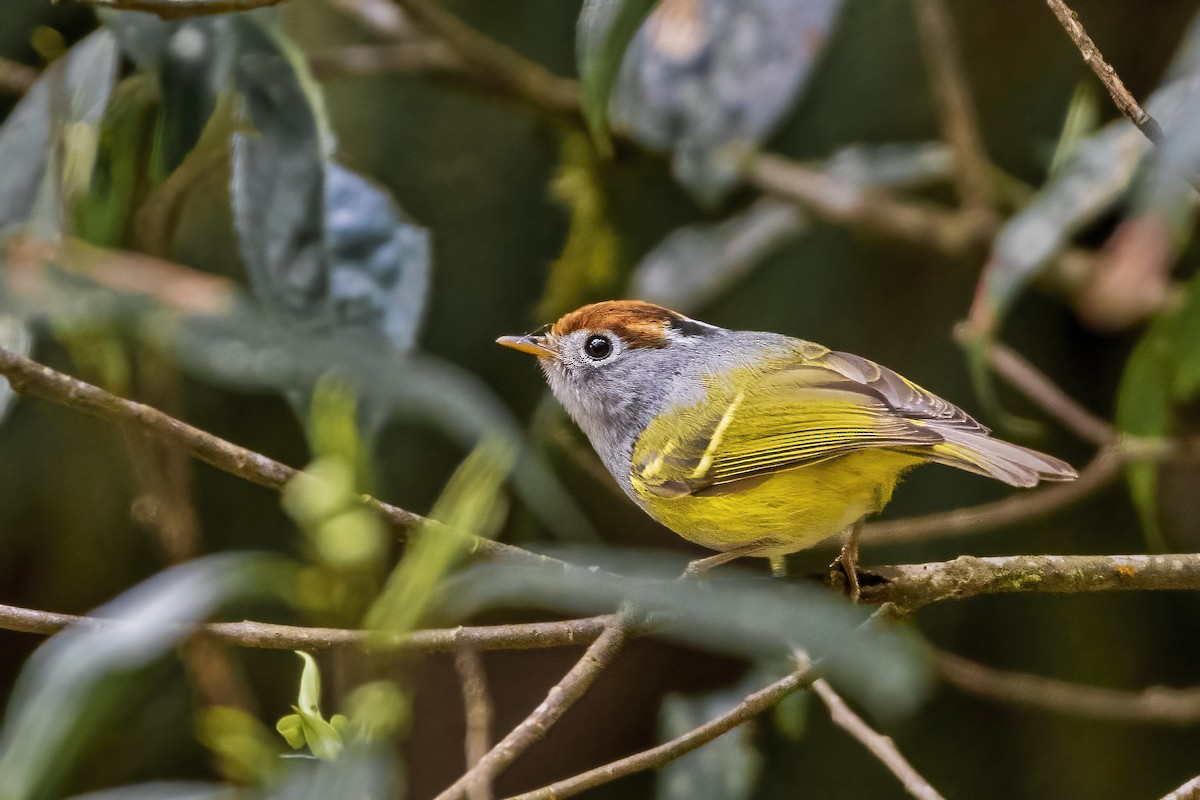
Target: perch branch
1157,705
911,586
656,757
493,63
882,747
561,697
362,60
268,636
1121,96
477,703
960,127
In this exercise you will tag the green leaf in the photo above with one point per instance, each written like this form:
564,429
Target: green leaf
314,730
472,504
246,752
1144,409
291,728
71,685
603,43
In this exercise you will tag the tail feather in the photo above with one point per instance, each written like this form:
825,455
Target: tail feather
1011,463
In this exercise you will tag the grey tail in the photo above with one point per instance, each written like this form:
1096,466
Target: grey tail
1015,465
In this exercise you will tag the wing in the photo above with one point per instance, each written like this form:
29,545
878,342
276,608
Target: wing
813,407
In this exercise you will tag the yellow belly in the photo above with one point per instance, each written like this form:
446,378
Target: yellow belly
790,510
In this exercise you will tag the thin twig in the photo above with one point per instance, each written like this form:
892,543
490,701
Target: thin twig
961,234
960,127
882,747
561,697
1189,791
365,60
911,586
15,77
1038,387
1104,71
680,746
1157,705
268,636
493,63
1099,473
477,703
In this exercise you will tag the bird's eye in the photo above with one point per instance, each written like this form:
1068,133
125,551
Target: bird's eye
598,347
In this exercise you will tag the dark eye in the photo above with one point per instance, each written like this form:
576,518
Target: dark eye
598,348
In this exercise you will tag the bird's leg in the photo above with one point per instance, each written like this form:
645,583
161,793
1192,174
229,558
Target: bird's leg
847,560
702,565
778,566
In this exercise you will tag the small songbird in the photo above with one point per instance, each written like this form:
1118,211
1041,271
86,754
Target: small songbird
754,444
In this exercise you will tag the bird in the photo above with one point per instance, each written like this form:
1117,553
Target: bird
755,443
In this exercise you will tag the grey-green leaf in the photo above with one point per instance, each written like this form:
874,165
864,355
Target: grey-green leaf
15,336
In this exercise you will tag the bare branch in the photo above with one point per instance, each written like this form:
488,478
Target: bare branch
1038,387
655,757
962,234
364,60
960,127
1189,791
268,636
493,63
1100,473
477,703
882,747
15,77
561,697
1104,71
1157,705
911,586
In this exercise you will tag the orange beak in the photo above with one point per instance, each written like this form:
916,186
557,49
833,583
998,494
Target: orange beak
530,343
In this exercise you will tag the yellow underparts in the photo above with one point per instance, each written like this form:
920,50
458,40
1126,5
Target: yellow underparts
789,510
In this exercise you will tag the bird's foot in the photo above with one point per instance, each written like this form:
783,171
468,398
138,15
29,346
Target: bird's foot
847,565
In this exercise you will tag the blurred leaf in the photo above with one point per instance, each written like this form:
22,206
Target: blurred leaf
1082,115
75,680
246,752
1163,372
587,267
682,83
738,612
103,216
791,715
362,773
191,60
15,336
727,768
322,246
48,142
376,711
606,27
472,504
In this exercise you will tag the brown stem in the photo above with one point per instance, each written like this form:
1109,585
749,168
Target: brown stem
1157,705
561,697
667,752
1104,71
882,747
960,128
477,703
268,636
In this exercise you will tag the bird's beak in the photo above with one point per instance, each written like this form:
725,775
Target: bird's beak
530,343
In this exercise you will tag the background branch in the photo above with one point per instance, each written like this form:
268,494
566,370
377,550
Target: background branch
1157,705
882,747
477,704
561,697
15,77
655,757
